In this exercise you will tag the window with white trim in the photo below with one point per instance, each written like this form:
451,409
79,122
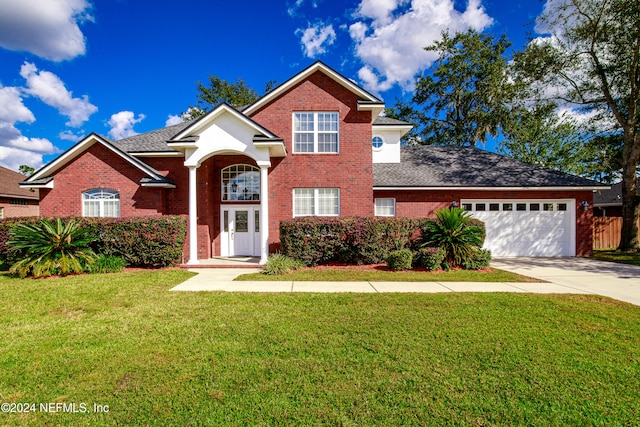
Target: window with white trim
101,202
377,142
315,132
316,202
240,183
385,207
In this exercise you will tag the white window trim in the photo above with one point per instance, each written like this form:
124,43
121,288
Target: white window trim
384,198
101,203
381,146
315,132
248,168
315,201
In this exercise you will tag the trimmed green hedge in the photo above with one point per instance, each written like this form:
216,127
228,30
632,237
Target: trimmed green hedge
140,241
350,240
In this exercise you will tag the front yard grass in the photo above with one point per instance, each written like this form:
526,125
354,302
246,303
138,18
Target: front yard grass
368,275
178,358
617,256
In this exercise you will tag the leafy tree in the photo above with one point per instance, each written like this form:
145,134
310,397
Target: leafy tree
592,61
541,137
454,231
48,248
466,97
236,94
26,170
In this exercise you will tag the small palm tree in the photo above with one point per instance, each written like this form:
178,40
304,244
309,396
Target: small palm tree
452,231
50,248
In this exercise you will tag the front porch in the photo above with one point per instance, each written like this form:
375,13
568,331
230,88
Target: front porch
230,212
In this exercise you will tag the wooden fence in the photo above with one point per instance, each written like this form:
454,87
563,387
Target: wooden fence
606,232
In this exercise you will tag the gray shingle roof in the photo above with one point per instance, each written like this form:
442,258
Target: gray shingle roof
612,197
388,121
434,166
154,141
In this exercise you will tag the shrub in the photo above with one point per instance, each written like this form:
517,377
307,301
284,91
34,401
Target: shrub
350,240
49,248
143,241
400,260
430,258
278,264
452,230
478,260
107,264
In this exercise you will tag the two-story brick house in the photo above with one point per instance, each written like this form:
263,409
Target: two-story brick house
315,145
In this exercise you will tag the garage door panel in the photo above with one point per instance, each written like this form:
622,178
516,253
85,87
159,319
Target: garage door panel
528,232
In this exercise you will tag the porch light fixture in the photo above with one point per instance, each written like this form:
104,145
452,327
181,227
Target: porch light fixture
585,205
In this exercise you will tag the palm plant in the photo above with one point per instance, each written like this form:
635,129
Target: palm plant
453,231
51,247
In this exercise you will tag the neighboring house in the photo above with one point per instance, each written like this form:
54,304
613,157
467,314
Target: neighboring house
609,202
16,201
315,145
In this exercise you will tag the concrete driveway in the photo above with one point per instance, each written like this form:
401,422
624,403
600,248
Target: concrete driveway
619,281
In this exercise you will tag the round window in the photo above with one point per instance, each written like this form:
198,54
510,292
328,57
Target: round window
377,142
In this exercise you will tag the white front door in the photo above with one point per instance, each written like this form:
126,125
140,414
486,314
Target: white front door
240,230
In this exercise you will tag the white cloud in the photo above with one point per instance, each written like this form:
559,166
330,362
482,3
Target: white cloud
16,149
51,90
49,29
315,39
68,135
390,36
12,109
173,120
12,158
122,124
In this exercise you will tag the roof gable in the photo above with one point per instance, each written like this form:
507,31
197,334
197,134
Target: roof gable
42,177
198,126
367,100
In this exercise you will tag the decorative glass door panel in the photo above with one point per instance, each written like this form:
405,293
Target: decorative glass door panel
240,232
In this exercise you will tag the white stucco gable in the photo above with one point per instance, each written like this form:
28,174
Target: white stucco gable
225,130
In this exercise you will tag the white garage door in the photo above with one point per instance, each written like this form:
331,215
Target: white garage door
527,227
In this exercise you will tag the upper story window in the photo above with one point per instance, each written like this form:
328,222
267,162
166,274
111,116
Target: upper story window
377,142
240,183
315,132
101,203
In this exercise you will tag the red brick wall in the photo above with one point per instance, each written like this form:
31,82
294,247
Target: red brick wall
99,167
350,170
10,210
424,203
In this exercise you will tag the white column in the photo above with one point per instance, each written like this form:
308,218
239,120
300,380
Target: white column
193,216
264,212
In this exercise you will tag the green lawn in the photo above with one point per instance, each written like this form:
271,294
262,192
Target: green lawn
616,256
230,359
346,275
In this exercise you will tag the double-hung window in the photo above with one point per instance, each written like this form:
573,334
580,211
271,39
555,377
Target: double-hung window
316,202
315,132
101,203
385,207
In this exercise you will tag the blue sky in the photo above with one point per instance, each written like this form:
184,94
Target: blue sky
120,67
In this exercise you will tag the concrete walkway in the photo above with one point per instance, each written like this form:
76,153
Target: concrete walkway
619,281
562,275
